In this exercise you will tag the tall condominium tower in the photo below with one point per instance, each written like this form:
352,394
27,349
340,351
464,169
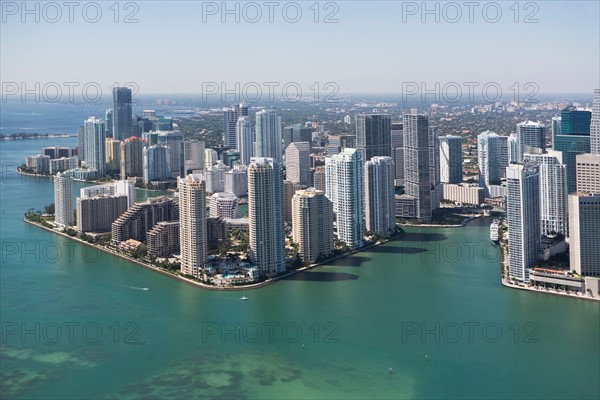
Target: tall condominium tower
417,174
397,141
492,157
268,135
63,200
312,224
344,182
93,137
553,192
193,152
265,212
174,139
584,233
450,159
380,203
157,160
230,120
530,134
132,157
523,215
373,135
245,139
192,224
108,119
297,163
112,155
595,124
512,147
122,114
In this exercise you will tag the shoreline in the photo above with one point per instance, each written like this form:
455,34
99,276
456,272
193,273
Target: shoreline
198,283
461,225
507,284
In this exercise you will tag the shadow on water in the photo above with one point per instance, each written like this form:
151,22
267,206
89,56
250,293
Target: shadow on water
402,249
422,237
313,276
353,261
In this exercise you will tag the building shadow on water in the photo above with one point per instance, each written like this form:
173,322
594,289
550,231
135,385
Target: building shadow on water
352,261
401,249
314,276
422,237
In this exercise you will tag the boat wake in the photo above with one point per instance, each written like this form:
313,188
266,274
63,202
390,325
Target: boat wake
139,288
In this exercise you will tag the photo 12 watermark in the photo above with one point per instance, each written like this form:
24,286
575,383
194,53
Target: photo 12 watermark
454,12
270,332
87,332
53,12
62,92
252,12
454,92
252,92
469,332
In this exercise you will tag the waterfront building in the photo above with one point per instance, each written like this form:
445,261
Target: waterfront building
312,224
492,154
463,194
141,217
122,114
94,135
417,171
236,180
117,188
97,213
132,157
397,142
174,140
344,179
530,134
450,159
163,239
373,135
215,177
265,211
112,155
63,200
157,163
40,164
584,233
224,205
380,203
192,224
63,164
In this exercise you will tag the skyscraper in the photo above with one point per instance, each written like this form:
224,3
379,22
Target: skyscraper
268,135
93,138
595,124
174,139
588,173
157,160
192,224
193,152
63,200
112,155
397,141
553,192
224,205
584,233
523,216
450,159
575,121
530,134
297,133
380,202
512,147
122,114
373,135
344,182
265,212
312,224
132,157
108,119
230,120
571,146
417,177
556,122
245,139
492,157
297,163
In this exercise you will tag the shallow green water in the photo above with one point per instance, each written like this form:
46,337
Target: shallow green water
335,331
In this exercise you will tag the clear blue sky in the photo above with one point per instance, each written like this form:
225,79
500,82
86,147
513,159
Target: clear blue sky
370,49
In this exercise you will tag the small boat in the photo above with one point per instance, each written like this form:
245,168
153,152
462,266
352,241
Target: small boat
244,296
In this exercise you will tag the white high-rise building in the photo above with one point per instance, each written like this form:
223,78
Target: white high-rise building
512,145
236,180
215,177
210,157
584,233
94,135
297,163
117,188
312,224
194,152
417,163
450,159
553,192
595,124
245,139
192,224
265,212
157,163
380,202
230,120
530,134
523,216
224,205
492,157
63,200
268,135
344,187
